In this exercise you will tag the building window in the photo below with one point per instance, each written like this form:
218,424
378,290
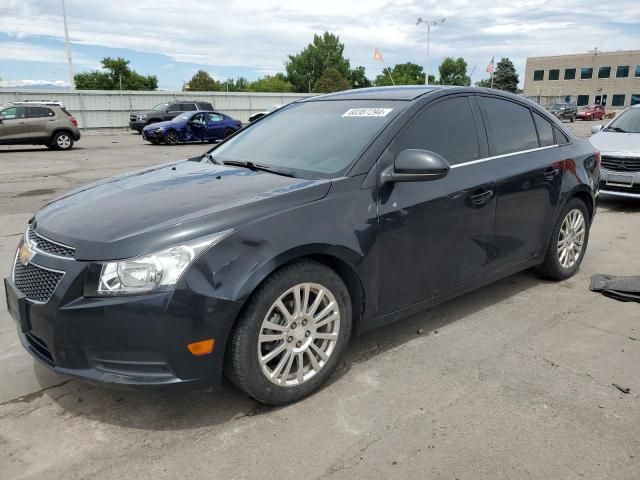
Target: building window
586,73
622,71
617,100
583,100
554,74
569,73
637,71
604,72
635,99
538,75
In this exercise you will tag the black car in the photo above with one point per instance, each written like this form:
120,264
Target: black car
332,216
564,111
164,112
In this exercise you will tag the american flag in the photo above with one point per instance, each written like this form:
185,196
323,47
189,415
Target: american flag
490,66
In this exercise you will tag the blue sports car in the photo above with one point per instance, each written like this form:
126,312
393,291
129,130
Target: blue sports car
202,126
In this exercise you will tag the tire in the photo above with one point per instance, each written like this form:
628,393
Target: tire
572,119
251,364
62,141
227,133
171,137
555,266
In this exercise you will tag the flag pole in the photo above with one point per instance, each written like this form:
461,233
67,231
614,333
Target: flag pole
389,73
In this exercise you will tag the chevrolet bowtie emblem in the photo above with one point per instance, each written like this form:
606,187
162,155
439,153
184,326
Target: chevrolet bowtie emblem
25,254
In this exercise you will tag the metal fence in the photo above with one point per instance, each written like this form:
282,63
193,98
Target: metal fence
110,109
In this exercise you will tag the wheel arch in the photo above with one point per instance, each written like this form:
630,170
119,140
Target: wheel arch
340,259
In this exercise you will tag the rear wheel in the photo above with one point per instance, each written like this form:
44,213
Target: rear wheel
573,118
228,132
62,141
291,335
171,137
568,242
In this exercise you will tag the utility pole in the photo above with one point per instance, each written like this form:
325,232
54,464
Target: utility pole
72,83
429,24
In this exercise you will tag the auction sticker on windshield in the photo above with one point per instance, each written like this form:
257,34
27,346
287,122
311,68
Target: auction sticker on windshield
367,112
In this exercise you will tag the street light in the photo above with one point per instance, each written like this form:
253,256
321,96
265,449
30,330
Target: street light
429,24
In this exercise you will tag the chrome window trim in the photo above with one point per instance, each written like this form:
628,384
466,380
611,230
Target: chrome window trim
34,245
504,155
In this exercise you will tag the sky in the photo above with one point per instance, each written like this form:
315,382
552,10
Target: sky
174,38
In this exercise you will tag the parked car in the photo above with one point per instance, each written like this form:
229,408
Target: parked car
593,112
192,127
32,123
619,144
163,112
564,111
262,257
257,115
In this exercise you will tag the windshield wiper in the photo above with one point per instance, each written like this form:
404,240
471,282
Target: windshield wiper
615,129
209,157
257,167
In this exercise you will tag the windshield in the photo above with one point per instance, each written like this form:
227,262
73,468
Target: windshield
322,138
627,122
182,117
160,106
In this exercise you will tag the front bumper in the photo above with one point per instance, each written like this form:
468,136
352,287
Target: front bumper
153,135
620,183
137,125
134,341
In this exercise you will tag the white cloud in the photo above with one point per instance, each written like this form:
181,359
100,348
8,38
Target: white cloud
23,51
258,34
33,83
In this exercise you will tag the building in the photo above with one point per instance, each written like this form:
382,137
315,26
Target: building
608,78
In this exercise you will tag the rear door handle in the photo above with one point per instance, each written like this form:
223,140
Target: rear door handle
551,173
482,198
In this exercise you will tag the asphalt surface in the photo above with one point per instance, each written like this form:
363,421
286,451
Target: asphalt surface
511,381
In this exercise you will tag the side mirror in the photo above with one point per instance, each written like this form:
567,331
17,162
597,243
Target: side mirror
414,165
596,128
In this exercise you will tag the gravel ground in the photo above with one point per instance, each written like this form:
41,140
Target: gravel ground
511,381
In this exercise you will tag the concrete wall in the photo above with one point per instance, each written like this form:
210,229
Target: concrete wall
108,109
594,86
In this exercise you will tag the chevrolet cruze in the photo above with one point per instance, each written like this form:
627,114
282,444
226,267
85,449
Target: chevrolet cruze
325,218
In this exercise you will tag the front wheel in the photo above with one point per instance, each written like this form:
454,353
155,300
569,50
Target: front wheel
171,137
572,119
291,335
568,242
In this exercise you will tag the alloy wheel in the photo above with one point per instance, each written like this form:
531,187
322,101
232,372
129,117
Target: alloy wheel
298,334
571,238
63,141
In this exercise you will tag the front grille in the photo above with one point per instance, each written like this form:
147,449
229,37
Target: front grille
47,246
36,283
621,164
40,347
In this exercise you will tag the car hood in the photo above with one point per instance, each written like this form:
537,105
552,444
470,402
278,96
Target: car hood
149,210
168,123
624,144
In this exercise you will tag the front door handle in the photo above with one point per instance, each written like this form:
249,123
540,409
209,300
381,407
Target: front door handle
482,198
551,173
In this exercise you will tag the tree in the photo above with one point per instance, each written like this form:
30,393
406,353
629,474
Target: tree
305,68
358,78
331,81
202,82
271,83
240,84
505,76
114,74
403,74
454,72
485,83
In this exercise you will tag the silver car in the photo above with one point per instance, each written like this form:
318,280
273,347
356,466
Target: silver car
619,145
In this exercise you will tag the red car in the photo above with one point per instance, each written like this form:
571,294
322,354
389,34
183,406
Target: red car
594,112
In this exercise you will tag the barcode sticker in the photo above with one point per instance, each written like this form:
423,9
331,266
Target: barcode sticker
367,112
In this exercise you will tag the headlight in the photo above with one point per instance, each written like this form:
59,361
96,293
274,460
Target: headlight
157,271
160,129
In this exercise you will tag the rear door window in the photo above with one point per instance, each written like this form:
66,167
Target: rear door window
39,112
510,125
204,106
214,117
188,107
545,130
447,128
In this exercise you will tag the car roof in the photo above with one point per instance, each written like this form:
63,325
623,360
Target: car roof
405,92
